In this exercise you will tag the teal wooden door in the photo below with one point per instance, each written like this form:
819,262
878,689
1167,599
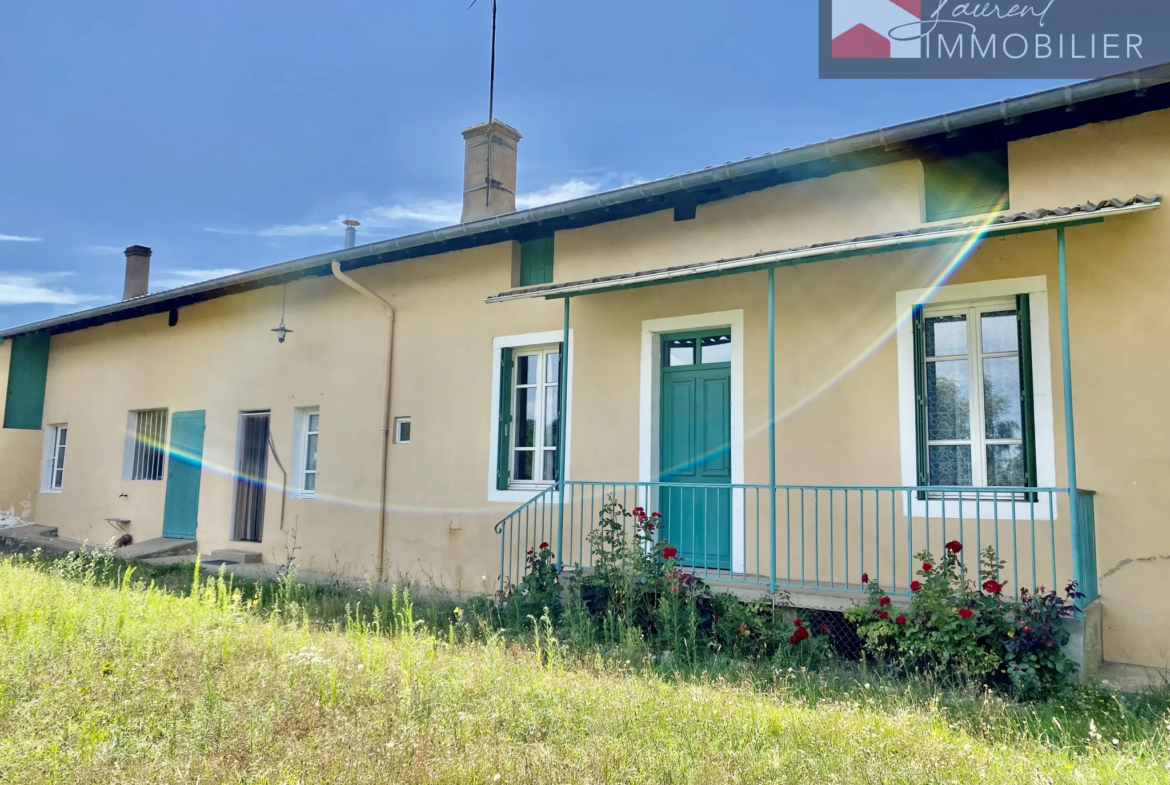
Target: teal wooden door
695,447
184,467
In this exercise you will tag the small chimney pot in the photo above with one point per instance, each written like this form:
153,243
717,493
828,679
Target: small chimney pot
137,272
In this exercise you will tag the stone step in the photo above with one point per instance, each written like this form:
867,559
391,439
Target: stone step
235,556
159,546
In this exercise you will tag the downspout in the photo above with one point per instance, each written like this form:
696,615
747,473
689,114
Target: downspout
382,303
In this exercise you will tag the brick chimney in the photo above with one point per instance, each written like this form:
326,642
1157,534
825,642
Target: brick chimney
137,272
489,170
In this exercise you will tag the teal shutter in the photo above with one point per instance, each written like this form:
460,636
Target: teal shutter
1027,402
969,184
28,370
536,261
505,419
922,453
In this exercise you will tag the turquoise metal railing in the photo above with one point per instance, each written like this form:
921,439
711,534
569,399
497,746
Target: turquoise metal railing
820,537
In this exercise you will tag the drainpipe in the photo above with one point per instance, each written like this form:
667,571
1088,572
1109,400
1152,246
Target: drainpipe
382,303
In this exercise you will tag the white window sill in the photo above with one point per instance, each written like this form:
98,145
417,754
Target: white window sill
50,490
987,510
518,493
303,495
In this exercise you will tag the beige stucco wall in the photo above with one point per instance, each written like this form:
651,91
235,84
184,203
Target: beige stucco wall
837,377
20,454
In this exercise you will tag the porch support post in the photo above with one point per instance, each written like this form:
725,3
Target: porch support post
1069,437
562,448
772,425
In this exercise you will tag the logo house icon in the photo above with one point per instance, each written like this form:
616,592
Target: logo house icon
861,28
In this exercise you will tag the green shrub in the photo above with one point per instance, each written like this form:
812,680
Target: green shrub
961,626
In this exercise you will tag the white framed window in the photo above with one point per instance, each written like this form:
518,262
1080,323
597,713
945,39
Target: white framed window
146,445
402,430
527,402
535,402
306,430
53,473
975,394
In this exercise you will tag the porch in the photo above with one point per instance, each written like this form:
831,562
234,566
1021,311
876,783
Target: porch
819,539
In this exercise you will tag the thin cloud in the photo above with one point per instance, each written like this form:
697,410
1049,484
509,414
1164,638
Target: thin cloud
103,250
423,213
37,290
18,238
172,279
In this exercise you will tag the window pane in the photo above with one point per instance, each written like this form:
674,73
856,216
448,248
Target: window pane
716,349
1005,465
523,460
680,352
525,417
950,464
61,434
948,401
552,368
528,369
1000,332
404,431
57,475
1001,397
550,466
946,336
551,399
313,420
311,481
311,453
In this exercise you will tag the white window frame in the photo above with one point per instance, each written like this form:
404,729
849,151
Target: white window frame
398,423
128,457
524,492
953,299
54,458
301,433
539,448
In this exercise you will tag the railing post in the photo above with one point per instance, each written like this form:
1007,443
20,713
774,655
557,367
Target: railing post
772,426
1069,437
562,448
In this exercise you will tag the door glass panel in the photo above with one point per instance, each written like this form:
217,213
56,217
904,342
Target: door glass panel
1000,332
311,481
948,402
716,349
950,464
551,421
1001,398
550,466
1005,465
311,453
552,368
524,464
680,352
526,417
313,420
946,336
528,369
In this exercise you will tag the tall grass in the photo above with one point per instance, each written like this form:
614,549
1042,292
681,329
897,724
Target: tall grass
105,679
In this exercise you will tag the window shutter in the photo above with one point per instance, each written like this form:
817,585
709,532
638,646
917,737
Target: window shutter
536,261
969,184
28,370
1027,403
505,419
920,434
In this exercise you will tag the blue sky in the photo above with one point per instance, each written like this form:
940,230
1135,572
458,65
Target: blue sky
231,135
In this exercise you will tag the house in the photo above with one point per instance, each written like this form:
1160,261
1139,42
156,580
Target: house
816,363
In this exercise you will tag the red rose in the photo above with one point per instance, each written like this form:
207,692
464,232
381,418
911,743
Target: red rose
797,622
876,612
669,552
884,614
966,613
927,567
794,640
801,633
864,578
954,546
992,587
1027,630
915,586
884,601
543,546
655,515
649,527
530,552
900,621
824,629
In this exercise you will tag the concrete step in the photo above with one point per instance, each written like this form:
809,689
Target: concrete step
235,556
159,546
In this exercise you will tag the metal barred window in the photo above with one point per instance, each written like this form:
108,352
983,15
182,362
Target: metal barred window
150,436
